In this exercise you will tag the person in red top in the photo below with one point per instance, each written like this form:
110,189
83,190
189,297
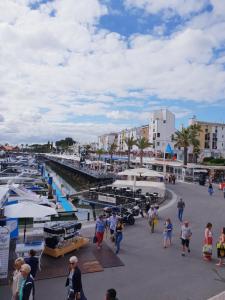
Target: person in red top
207,248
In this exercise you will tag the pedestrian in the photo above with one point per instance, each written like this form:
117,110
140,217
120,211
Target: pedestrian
74,282
180,207
17,278
111,294
99,231
185,237
27,289
152,218
221,248
207,247
147,207
119,234
167,233
112,221
210,189
33,262
174,178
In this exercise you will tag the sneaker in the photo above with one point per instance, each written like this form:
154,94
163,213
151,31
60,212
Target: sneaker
183,254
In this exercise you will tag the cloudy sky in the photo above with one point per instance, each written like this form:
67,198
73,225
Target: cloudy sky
81,68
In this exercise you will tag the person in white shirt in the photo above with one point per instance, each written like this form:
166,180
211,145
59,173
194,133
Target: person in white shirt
185,237
112,221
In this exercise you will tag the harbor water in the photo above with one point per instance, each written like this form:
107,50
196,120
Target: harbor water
63,188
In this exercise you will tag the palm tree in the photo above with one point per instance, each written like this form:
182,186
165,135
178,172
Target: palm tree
112,150
142,143
187,137
130,142
100,152
196,151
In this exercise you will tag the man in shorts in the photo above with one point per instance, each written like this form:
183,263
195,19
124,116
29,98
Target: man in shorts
185,237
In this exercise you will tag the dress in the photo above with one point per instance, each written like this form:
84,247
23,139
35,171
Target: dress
207,247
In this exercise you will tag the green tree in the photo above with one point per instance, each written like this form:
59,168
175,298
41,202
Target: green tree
187,137
100,152
112,150
142,143
64,144
130,142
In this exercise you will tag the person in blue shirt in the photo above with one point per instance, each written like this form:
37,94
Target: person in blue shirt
99,230
167,233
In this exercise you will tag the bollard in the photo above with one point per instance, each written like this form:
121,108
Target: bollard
88,216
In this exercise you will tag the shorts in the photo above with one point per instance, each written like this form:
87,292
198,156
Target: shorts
185,242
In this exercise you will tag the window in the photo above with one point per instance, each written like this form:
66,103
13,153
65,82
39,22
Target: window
206,130
158,143
158,134
206,145
164,121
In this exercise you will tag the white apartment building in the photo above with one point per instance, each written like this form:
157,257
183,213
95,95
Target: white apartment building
106,140
135,132
161,129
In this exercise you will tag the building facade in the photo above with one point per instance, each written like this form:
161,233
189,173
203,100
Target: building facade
106,140
211,138
161,129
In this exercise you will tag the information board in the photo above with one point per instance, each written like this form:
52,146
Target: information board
4,251
105,198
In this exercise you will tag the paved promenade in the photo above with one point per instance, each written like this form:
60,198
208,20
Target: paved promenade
150,271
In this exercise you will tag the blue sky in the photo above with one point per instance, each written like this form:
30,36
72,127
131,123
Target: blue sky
82,68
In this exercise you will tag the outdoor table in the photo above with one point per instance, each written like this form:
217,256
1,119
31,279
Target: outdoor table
137,199
23,249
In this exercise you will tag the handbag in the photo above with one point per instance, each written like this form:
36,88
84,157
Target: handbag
207,249
95,239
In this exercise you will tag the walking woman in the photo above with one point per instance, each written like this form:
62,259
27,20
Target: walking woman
221,248
119,234
17,278
99,231
167,233
152,218
207,247
73,282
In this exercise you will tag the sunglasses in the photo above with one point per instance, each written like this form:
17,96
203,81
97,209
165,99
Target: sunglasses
71,263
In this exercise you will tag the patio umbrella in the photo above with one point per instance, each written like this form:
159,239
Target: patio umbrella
28,210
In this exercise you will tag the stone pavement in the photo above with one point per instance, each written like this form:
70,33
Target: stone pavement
152,272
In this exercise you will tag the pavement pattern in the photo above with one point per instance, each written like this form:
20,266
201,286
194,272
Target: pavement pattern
152,272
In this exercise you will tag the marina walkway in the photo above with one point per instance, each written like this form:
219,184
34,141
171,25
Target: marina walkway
150,271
